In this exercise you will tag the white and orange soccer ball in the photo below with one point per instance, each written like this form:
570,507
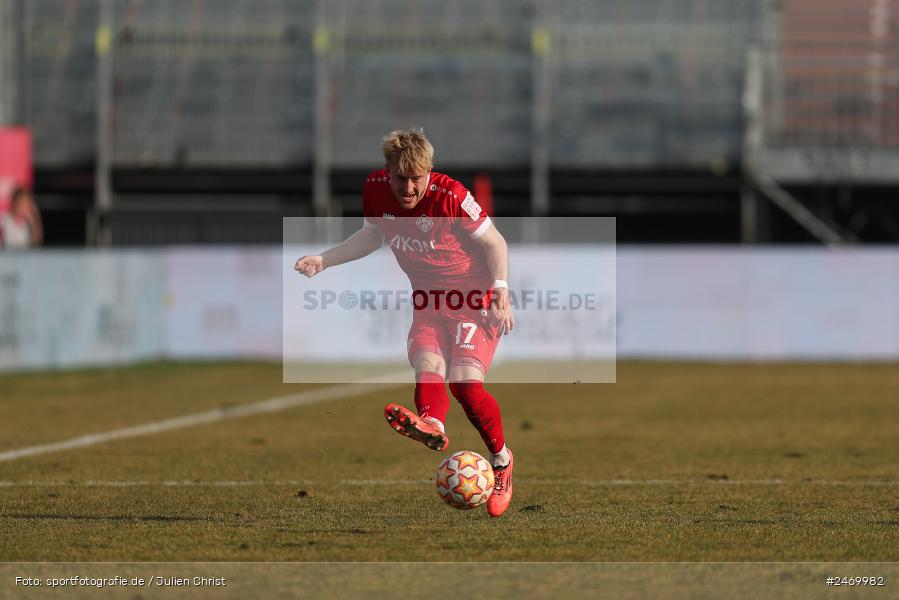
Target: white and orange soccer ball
465,480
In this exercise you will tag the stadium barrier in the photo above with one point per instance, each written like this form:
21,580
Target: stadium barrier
758,304
63,309
68,309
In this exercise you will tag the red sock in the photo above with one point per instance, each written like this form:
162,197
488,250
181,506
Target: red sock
482,410
431,399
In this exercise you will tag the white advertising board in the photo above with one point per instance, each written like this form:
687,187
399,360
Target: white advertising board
63,309
758,303
223,302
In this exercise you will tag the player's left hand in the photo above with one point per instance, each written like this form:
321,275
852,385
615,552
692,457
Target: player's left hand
501,311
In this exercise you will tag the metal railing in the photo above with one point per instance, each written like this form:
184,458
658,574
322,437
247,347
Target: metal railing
831,101
827,105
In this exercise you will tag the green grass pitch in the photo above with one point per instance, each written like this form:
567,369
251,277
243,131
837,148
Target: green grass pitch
675,462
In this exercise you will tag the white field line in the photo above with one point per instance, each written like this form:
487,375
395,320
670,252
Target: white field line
147,483
417,482
337,392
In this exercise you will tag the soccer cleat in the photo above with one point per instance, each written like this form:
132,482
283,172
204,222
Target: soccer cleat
502,489
412,426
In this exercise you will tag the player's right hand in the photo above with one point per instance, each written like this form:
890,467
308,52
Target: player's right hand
501,310
310,266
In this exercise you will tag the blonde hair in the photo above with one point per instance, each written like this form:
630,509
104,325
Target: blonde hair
409,150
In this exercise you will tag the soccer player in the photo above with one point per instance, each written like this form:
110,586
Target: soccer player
457,262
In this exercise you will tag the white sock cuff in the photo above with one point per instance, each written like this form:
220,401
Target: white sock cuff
501,458
436,422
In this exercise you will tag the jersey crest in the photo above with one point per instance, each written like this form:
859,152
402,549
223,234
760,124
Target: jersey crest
424,223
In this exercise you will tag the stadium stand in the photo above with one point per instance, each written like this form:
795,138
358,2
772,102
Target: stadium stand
651,84
227,113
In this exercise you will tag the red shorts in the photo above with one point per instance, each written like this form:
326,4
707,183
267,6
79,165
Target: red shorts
462,338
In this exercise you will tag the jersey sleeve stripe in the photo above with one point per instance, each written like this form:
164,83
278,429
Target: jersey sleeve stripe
366,224
482,229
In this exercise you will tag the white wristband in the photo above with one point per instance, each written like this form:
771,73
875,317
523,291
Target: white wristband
500,283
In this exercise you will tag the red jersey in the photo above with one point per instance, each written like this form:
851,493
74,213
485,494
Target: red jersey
434,241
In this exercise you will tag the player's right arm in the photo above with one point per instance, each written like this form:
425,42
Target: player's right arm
360,244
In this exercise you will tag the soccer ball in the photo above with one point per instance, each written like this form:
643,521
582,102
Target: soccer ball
465,480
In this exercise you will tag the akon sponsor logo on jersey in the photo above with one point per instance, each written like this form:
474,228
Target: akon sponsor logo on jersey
409,244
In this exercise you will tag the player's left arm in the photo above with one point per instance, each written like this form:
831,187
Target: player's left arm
496,252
